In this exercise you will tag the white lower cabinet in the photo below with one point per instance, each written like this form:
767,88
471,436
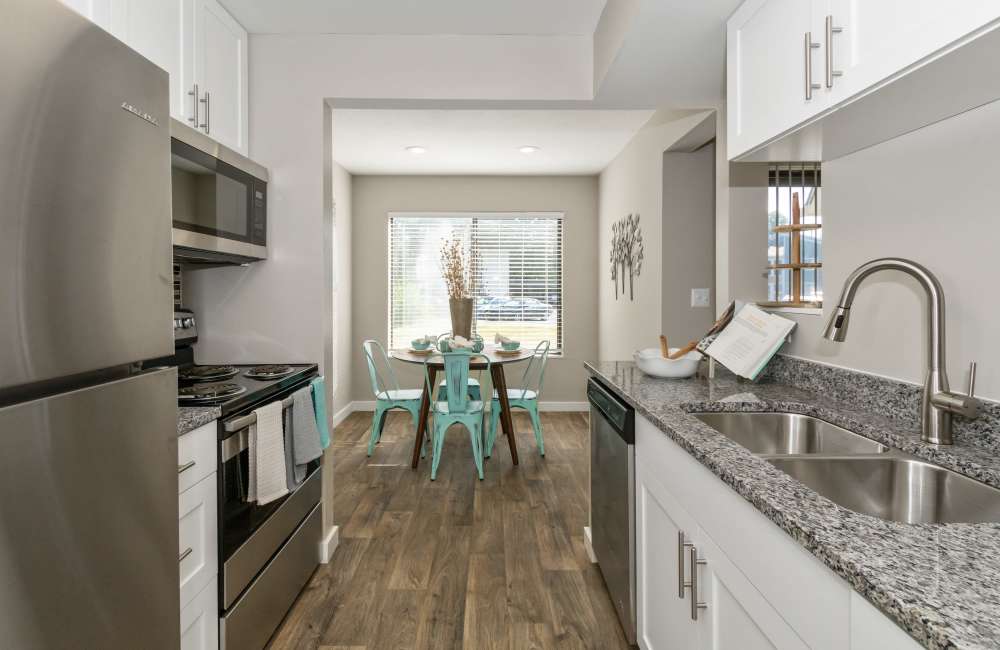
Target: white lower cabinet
200,620
663,617
198,541
690,594
756,586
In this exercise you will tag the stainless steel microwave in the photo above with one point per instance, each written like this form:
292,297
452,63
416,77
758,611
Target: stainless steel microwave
219,201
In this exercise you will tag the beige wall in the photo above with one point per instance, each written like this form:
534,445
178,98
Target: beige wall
575,196
688,241
633,182
748,229
931,196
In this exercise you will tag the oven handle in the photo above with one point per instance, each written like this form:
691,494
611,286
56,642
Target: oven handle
242,422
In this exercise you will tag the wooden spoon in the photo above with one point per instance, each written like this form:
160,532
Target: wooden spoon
664,350
684,350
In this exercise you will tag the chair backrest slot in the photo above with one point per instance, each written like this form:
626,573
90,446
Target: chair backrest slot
375,356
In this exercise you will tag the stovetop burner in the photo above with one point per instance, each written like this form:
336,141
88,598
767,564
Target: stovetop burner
206,373
208,393
269,372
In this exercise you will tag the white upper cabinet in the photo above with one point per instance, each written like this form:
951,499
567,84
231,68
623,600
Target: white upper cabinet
770,85
220,61
776,82
153,28
880,39
202,48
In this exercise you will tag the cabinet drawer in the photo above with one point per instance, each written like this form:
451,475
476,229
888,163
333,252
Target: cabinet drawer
196,452
198,547
200,620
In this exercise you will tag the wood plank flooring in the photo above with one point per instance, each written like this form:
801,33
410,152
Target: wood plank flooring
458,562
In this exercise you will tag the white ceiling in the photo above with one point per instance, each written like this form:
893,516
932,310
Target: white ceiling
373,141
417,16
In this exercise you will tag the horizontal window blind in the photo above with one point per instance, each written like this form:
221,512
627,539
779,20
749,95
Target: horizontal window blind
517,289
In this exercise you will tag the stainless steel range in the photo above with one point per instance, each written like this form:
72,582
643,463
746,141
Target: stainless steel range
267,552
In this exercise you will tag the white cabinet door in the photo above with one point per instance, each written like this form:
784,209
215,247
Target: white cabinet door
767,74
736,616
198,548
663,613
220,57
153,28
200,620
880,39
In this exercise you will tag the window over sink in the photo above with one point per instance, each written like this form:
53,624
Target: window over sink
794,235
518,284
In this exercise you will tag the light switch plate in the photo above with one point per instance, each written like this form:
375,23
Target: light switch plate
701,297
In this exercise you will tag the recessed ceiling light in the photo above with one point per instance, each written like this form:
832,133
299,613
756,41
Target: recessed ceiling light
528,148
417,150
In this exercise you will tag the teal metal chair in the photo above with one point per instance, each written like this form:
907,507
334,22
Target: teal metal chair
388,396
525,398
475,389
458,407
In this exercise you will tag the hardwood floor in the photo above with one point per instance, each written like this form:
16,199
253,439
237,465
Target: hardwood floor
458,562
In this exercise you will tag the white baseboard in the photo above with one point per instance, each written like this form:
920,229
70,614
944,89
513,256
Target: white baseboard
588,544
568,407
329,544
342,414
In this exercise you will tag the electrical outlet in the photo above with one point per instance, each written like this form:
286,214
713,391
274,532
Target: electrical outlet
701,297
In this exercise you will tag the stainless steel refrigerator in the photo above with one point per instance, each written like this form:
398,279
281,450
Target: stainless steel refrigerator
88,443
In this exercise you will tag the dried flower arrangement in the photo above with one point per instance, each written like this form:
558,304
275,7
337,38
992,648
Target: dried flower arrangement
458,269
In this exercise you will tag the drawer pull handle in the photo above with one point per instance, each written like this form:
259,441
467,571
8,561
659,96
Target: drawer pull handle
695,605
186,552
681,583
185,467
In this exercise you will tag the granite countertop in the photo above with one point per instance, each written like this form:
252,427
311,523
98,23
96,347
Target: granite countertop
190,418
938,581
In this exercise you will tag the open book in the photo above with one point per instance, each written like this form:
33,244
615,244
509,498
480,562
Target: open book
749,341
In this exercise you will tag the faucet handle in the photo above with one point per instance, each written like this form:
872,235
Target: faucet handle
972,379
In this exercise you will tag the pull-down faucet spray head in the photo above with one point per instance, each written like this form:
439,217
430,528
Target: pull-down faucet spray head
836,329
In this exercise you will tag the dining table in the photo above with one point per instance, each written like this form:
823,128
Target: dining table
499,360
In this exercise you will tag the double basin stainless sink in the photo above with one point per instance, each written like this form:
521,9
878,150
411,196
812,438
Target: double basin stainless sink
858,473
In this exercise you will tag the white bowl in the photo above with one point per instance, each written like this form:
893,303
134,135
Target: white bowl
652,362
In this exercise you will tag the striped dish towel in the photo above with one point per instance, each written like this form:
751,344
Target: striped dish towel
268,479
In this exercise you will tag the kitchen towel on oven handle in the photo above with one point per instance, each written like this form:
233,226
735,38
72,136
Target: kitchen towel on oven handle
319,406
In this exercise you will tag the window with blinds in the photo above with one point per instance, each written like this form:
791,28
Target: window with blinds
795,235
518,288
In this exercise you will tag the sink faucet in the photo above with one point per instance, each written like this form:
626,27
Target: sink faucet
939,403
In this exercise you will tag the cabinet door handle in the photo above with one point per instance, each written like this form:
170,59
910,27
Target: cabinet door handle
682,584
830,31
185,467
194,93
695,605
207,125
186,552
809,47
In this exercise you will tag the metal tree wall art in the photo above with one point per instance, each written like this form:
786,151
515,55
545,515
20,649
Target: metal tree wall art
626,253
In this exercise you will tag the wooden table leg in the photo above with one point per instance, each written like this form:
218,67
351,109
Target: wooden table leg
500,385
425,407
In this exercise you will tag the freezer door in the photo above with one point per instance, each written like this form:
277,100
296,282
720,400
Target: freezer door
85,251
88,518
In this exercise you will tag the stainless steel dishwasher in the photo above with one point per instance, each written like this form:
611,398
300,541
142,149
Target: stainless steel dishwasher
612,498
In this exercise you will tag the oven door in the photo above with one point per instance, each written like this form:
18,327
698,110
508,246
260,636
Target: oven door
218,210
250,533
